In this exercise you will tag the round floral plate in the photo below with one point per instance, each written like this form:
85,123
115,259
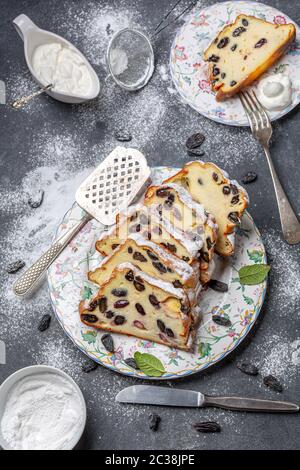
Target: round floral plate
68,285
189,71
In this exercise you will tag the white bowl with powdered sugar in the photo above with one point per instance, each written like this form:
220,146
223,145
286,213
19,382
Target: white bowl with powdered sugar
41,408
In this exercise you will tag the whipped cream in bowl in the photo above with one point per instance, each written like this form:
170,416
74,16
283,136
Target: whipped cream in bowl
275,91
41,408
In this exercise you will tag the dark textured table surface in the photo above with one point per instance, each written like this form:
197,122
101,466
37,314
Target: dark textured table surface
51,145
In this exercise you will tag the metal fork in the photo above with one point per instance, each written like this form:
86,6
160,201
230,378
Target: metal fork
262,131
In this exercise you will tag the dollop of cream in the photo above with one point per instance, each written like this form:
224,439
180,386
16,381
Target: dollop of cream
275,91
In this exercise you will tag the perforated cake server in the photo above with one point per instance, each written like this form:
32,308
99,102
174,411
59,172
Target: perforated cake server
111,187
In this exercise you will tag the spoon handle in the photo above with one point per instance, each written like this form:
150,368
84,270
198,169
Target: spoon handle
20,102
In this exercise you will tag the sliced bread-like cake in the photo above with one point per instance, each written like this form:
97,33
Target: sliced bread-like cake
225,199
244,50
155,311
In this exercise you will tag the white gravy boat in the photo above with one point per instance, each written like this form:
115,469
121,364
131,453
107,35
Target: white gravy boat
34,37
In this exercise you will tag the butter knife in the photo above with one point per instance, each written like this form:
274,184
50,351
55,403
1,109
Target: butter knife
153,395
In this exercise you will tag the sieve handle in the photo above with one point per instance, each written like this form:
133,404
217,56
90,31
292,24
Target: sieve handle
25,283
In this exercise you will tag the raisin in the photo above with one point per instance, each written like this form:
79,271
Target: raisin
218,286
137,256
168,204
247,368
138,324
226,190
235,200
215,176
223,75
222,321
108,342
154,421
36,200
223,43
152,255
205,256
123,136
233,82
245,22
186,259
44,322
159,266
139,286
233,217
213,58
119,292
157,231
216,71
135,228
130,250
195,152
195,140
154,301
233,48
92,305
260,43
114,246
140,309
89,366
129,276
245,57
15,266
170,333
249,177
185,309
273,383
119,320
121,304
89,318
238,31
161,325
133,217
209,243
234,189
131,363
109,314
207,426
177,284
170,247
200,181
162,192
102,302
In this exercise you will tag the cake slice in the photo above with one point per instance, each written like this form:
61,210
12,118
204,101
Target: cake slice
225,199
243,50
151,259
175,204
155,311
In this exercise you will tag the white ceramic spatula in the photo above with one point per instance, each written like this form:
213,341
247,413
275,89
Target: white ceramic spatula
113,185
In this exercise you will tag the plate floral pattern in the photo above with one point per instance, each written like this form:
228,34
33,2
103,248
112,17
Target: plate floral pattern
68,284
189,71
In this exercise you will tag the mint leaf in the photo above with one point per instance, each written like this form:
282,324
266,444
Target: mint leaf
253,274
255,255
87,293
149,364
204,349
89,336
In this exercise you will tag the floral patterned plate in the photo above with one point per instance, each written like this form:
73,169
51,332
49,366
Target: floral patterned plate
68,284
189,71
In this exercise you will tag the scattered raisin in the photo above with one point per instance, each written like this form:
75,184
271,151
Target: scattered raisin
195,140
140,309
89,318
159,266
131,363
233,217
123,136
162,192
161,325
154,421
89,366
129,276
44,322
223,43
154,301
139,286
121,304
217,286
273,383
233,82
260,43
249,177
119,292
108,342
195,152
15,266
226,190
137,256
36,200
207,426
238,31
222,321
247,368
213,58
119,320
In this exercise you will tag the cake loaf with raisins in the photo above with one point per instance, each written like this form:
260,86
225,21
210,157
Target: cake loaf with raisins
225,199
175,204
133,303
149,258
243,51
